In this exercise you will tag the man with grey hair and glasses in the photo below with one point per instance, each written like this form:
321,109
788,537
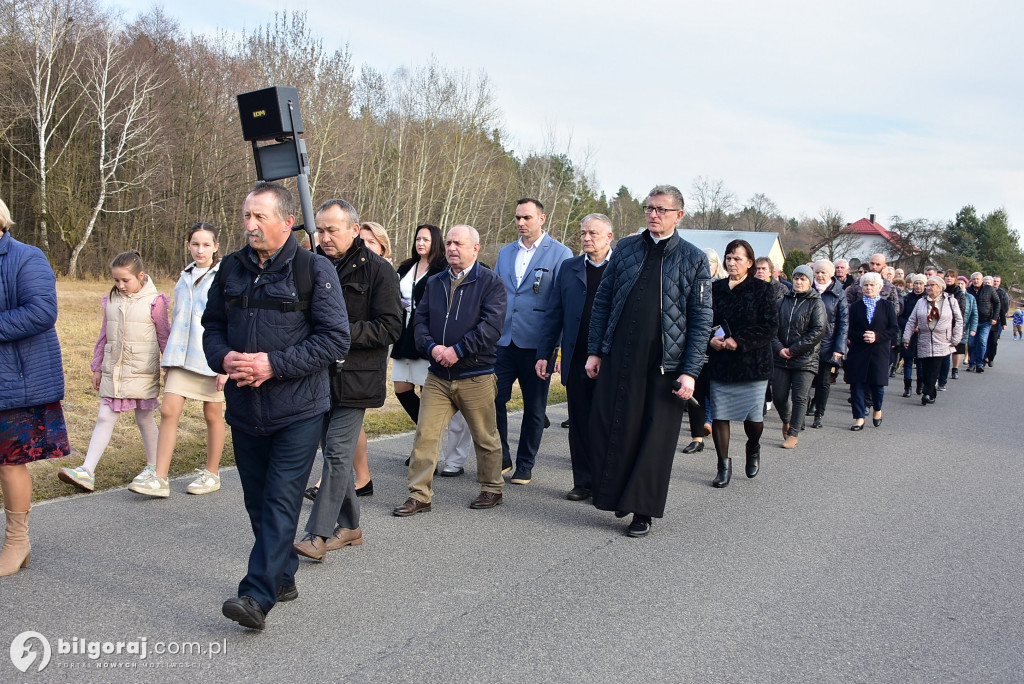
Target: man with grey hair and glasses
648,340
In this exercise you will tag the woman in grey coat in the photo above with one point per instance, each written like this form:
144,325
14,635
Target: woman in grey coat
939,326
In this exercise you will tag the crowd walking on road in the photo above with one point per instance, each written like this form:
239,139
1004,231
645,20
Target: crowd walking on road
290,348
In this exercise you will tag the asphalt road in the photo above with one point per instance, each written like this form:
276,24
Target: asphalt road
889,555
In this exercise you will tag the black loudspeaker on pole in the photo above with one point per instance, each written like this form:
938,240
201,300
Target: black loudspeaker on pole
274,114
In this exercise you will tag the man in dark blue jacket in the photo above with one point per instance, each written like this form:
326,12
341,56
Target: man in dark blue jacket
648,340
458,323
569,319
275,342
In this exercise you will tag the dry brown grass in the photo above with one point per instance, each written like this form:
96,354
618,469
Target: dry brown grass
78,325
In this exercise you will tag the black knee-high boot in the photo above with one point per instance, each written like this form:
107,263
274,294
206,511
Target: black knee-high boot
410,401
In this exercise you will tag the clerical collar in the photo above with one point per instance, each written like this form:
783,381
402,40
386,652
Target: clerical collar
592,263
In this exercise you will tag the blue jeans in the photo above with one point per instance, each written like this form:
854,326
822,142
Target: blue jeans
979,343
514,364
274,470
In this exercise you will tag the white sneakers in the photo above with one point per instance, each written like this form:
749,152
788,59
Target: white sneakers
205,483
148,483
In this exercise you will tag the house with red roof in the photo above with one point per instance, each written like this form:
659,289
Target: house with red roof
866,237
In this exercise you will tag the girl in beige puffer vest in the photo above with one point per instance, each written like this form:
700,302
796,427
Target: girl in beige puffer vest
126,364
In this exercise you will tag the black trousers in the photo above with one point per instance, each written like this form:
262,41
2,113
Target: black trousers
930,366
698,414
579,393
822,386
515,363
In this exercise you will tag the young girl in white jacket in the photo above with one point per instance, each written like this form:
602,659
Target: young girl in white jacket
188,374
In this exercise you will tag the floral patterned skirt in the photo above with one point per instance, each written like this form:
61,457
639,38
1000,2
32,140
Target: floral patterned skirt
33,434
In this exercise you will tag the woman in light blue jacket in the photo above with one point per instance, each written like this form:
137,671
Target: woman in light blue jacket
188,374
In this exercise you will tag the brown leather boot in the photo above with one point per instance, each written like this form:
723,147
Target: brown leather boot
16,551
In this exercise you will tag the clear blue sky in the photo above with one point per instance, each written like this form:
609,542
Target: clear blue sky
909,107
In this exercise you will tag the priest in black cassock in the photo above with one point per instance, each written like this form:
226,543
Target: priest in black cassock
649,333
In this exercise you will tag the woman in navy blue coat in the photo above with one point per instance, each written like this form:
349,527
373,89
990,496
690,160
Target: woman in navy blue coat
31,383
873,331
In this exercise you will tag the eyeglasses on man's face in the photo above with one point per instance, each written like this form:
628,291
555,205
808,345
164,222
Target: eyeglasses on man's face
660,211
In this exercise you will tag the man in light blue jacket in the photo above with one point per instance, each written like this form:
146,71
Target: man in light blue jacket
527,268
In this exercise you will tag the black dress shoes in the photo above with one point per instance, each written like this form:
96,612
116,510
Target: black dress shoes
411,507
245,611
640,527
287,593
578,494
693,447
621,514
311,493
565,423
365,490
486,500
856,427
547,422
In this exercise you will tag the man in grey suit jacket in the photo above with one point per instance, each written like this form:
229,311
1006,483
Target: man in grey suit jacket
528,268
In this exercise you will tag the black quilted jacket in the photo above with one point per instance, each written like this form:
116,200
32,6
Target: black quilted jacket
685,301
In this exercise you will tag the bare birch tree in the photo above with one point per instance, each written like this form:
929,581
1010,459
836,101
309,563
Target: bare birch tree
47,59
119,92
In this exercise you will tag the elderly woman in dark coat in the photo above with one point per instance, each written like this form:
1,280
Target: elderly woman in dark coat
746,318
909,351
795,349
873,331
833,342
